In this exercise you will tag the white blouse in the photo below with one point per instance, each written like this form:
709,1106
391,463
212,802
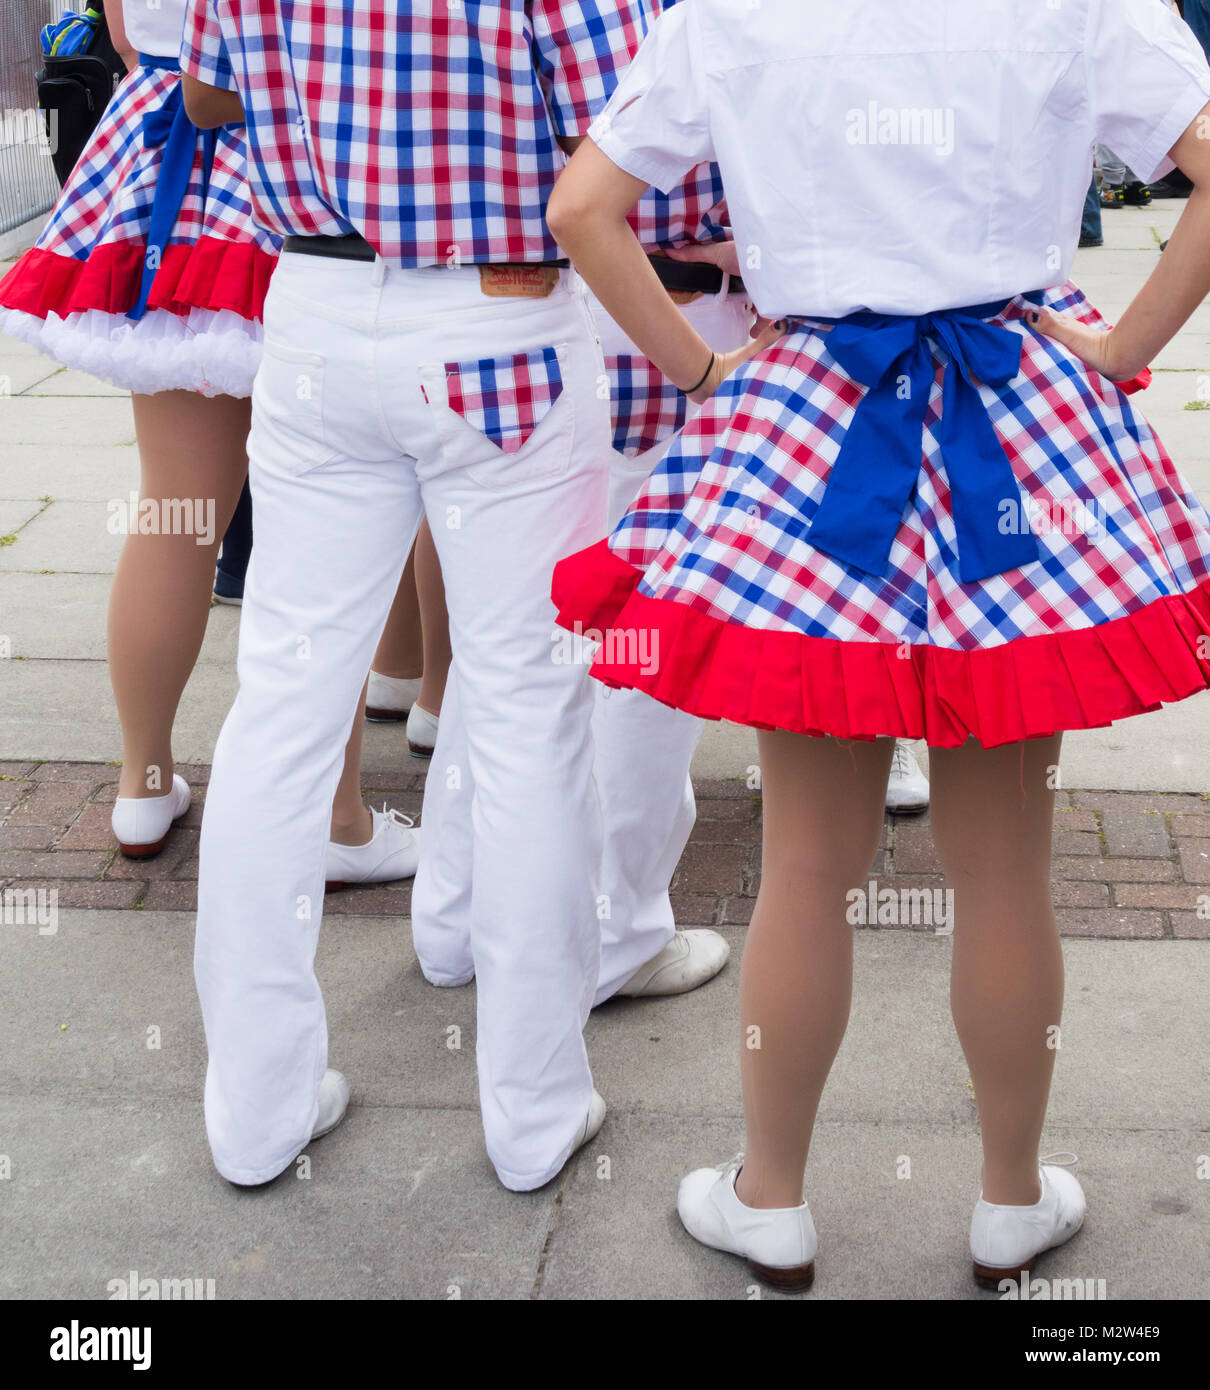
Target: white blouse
155,26
904,157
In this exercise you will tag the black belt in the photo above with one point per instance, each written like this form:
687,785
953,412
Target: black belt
690,277
354,247
694,277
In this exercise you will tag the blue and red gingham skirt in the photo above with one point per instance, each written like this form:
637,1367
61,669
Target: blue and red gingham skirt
710,597
70,293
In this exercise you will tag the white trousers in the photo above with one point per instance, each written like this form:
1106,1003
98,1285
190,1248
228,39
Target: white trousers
642,755
643,748
352,435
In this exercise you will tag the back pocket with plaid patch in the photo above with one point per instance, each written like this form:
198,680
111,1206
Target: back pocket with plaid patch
505,398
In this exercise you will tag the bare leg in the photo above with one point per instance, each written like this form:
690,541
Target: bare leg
190,447
823,811
419,604
400,651
435,622
992,817
352,824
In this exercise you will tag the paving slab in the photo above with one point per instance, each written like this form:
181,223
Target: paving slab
395,1204
891,1205
69,473
72,537
46,419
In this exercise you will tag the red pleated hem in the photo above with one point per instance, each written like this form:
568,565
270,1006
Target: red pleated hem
1029,688
208,274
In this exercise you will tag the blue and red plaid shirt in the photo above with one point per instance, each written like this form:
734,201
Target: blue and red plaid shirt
432,128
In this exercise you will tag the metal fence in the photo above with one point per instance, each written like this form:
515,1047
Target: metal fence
27,179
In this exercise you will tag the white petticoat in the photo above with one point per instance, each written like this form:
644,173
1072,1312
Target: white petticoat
213,351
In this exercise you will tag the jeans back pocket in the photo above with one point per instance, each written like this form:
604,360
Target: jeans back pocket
505,399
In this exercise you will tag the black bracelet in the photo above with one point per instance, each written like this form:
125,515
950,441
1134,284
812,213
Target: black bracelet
705,374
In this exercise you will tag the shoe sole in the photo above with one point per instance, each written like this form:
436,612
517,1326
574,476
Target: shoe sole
418,750
143,851
794,1280
385,716
991,1277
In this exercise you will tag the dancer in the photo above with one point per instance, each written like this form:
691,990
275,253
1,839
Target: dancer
151,274
423,348
1038,566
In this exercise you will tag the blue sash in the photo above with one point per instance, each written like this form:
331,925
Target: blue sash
169,125
875,475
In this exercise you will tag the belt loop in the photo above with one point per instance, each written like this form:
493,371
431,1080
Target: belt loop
380,272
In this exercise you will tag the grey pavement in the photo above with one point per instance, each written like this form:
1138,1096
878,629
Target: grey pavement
103,1162
110,1171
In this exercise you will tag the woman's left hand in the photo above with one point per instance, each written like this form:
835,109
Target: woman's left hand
1095,347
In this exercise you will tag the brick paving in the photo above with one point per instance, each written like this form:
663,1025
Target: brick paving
1127,864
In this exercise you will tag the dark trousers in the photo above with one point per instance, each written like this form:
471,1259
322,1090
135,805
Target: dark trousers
1197,16
1090,227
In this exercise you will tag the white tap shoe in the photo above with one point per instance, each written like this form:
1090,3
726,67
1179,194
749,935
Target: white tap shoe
392,852
388,698
1006,1240
141,823
779,1245
908,789
422,732
689,960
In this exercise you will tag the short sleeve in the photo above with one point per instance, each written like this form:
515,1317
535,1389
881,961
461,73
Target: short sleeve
581,48
656,126
1149,81
203,51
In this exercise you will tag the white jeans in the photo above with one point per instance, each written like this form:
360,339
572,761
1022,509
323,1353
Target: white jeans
352,434
643,748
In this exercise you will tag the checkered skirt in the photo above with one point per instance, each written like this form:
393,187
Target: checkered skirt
69,295
712,568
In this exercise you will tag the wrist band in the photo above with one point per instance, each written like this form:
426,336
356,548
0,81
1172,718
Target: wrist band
705,374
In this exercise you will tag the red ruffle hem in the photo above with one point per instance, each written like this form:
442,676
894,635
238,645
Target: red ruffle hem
1032,687
208,274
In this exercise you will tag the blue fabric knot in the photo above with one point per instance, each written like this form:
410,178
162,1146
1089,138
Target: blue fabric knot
169,125
875,476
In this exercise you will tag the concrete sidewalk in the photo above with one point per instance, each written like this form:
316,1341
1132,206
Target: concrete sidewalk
104,1168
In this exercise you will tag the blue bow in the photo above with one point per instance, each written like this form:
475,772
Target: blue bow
875,475
169,125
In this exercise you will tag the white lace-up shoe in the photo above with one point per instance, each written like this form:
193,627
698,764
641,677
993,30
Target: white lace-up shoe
689,960
141,823
779,1245
1005,1240
908,789
422,732
388,698
392,852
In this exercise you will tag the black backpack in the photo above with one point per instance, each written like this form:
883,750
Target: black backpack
73,92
